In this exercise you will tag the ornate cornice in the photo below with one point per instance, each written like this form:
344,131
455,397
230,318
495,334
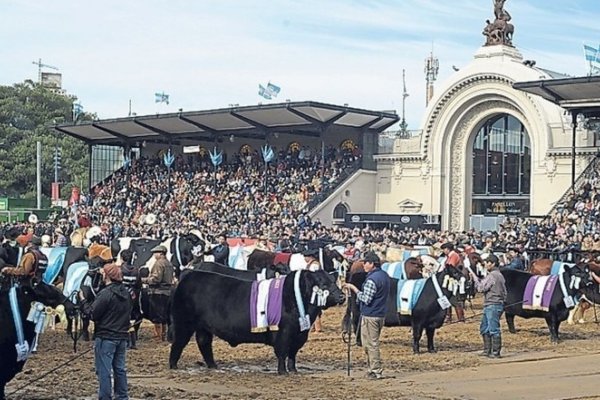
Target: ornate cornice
450,94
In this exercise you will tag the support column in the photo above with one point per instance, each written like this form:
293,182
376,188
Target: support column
573,145
89,168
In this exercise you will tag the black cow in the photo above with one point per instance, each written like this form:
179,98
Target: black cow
516,282
211,304
427,313
266,273
26,294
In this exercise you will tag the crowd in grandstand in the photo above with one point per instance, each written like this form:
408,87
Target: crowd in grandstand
232,199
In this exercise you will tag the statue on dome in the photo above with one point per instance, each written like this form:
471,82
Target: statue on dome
501,30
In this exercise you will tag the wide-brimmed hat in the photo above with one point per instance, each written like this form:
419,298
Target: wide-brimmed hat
159,249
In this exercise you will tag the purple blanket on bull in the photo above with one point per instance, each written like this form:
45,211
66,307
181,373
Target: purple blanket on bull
266,301
538,292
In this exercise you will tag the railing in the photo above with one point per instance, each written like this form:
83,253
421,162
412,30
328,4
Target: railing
589,172
567,255
328,189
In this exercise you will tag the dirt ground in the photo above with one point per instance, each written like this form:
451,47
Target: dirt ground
532,367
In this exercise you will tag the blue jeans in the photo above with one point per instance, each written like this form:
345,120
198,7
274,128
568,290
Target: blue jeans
490,323
110,358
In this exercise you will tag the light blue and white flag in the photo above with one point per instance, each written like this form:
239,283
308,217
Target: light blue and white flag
77,110
263,92
273,89
216,158
591,54
161,98
267,153
169,159
268,92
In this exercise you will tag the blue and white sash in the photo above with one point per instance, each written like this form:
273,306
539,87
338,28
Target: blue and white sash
21,346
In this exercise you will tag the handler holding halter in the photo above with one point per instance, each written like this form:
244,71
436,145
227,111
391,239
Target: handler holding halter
372,299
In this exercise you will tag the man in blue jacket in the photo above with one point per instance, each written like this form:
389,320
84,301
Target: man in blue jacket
372,299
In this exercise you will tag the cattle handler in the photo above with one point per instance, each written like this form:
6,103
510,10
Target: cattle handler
372,299
493,287
160,283
33,263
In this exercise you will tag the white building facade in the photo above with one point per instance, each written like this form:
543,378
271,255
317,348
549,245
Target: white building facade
484,148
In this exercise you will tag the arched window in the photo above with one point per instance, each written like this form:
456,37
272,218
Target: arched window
501,166
340,211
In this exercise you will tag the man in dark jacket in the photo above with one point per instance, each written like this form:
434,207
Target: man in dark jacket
110,313
221,251
372,299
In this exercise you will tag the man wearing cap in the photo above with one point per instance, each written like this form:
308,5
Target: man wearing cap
493,287
110,312
160,281
33,263
372,300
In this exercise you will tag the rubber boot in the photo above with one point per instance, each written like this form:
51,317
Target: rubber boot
132,341
487,346
496,346
163,332
460,313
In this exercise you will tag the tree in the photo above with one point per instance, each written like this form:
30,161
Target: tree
27,111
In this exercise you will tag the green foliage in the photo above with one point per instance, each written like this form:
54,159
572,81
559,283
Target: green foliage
27,111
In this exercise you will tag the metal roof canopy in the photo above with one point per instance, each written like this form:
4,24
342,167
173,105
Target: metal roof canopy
253,122
576,95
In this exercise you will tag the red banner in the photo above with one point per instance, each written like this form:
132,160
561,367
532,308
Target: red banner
55,191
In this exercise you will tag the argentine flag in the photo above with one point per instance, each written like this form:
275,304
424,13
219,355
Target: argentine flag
161,98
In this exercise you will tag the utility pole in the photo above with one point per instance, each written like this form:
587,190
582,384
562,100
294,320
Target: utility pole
40,66
39,175
404,134
432,67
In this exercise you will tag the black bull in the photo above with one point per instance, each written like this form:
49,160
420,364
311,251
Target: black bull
516,282
427,314
210,304
26,294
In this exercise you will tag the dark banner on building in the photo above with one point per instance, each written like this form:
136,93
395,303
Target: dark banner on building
394,221
518,207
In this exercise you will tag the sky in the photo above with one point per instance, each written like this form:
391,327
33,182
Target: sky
209,54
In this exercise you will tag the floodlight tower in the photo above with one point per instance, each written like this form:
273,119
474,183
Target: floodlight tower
432,67
403,125
40,66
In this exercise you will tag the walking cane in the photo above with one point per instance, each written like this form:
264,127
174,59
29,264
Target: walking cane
349,331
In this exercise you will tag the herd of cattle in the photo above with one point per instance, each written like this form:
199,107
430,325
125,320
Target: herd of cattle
213,300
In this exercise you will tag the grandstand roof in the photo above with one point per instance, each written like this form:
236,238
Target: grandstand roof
302,118
579,95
